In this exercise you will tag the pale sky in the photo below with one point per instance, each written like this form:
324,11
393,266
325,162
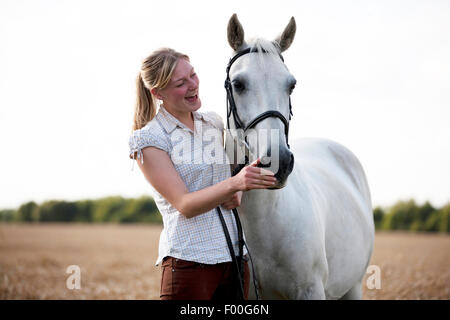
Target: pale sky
372,75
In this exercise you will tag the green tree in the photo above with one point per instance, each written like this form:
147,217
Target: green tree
57,211
84,210
142,209
27,212
423,214
444,223
7,215
378,214
401,215
432,223
109,209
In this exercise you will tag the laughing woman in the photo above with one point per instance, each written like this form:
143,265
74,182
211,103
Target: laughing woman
193,251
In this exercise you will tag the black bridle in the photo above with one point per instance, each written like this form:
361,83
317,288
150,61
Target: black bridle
231,110
231,105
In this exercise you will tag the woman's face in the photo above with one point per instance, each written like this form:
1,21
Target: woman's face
181,94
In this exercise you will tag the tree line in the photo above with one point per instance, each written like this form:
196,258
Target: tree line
114,209
403,215
409,216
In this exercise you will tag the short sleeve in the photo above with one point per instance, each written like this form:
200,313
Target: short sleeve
215,119
143,138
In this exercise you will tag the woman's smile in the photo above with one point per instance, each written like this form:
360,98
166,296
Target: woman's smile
192,98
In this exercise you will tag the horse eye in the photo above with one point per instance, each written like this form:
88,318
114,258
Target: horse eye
238,85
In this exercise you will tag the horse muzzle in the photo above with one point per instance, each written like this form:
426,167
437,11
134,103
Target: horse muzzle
285,166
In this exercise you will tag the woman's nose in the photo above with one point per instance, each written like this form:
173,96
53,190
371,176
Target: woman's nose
193,83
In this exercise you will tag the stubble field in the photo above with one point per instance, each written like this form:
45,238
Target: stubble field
117,262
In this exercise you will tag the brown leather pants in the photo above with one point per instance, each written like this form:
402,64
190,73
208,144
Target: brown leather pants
186,280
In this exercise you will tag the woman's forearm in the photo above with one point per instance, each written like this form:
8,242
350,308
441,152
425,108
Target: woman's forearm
204,200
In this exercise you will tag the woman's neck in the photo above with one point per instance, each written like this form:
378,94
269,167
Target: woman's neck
185,118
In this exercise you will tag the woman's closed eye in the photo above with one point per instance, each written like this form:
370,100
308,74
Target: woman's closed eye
180,84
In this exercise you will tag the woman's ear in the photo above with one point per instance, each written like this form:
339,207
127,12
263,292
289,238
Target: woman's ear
156,94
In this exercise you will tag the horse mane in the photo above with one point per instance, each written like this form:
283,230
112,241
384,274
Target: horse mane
264,45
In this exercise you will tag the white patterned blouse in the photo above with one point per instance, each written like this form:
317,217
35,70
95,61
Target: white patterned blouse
200,160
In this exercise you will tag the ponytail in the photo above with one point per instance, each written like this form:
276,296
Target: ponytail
145,105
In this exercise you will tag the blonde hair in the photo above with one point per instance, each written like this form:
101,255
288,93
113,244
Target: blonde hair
156,71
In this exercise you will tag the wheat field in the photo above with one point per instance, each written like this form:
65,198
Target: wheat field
117,262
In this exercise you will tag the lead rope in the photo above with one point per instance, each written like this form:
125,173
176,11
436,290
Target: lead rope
241,240
255,280
233,256
238,262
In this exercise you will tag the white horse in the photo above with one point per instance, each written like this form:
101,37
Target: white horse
312,237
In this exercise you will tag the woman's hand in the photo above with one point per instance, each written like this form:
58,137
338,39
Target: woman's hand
233,202
253,177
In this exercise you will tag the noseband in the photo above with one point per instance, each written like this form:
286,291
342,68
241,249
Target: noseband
231,105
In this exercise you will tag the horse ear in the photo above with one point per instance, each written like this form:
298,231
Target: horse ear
235,33
286,38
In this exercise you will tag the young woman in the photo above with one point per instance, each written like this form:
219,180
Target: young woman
193,251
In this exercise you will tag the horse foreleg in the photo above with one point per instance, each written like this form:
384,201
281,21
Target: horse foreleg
313,291
355,293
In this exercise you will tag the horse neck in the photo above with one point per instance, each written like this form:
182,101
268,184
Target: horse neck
262,223
259,204
265,211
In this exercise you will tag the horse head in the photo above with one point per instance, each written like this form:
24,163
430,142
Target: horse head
259,86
